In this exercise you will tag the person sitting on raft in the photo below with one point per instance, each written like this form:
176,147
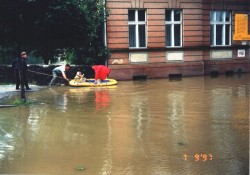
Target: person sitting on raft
79,78
101,72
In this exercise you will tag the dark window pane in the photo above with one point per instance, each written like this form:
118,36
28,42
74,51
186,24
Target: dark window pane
177,15
227,34
132,38
219,34
177,35
141,15
227,16
212,35
168,15
142,38
168,35
131,15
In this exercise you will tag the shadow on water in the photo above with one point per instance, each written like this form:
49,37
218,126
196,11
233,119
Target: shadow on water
198,125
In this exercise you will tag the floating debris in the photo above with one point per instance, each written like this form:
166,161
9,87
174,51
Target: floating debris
80,168
182,143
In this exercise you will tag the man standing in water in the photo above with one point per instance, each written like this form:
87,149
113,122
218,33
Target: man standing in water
20,68
58,71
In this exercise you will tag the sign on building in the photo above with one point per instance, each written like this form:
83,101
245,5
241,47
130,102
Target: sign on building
241,27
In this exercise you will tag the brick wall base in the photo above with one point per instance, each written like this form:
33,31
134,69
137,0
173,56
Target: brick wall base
164,70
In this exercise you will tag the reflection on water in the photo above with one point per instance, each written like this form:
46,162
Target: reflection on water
156,127
101,98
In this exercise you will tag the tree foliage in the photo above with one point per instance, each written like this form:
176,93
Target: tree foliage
72,27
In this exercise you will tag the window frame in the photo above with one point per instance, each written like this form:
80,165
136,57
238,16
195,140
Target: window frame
172,24
137,23
214,23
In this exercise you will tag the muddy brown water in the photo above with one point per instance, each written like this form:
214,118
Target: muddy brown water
196,126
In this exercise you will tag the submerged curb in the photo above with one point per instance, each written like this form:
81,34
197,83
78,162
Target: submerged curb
7,106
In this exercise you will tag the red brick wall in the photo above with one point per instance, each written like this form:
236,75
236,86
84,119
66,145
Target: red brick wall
196,37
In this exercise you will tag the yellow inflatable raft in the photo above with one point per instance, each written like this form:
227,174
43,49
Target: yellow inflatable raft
90,83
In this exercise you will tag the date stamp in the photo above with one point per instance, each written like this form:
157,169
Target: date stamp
198,157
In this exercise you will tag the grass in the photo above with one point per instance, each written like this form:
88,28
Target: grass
19,102
6,84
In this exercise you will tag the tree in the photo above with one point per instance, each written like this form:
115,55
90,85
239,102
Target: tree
46,26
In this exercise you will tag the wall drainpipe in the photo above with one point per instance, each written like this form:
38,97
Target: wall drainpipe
105,29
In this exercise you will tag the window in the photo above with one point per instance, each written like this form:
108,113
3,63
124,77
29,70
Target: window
173,28
220,28
137,28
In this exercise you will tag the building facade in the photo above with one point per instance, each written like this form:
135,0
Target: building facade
160,38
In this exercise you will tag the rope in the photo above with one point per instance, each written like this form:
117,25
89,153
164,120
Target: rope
40,73
51,75
43,74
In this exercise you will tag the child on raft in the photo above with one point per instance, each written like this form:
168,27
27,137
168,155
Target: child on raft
79,78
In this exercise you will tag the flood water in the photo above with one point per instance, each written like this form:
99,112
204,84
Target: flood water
196,126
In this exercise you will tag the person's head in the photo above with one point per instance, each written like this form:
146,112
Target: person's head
79,73
67,67
23,55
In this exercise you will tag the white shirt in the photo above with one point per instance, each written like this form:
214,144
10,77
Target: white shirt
59,69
